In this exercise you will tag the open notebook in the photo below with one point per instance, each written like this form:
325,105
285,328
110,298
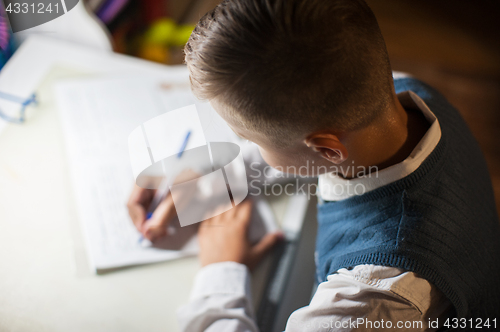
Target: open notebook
97,115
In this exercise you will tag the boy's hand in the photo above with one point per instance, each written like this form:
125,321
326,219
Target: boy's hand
224,238
155,227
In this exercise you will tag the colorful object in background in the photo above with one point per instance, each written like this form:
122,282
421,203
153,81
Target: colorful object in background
110,9
163,34
6,38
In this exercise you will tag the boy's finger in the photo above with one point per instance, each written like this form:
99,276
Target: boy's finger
137,203
156,226
205,223
222,214
244,210
154,232
230,214
137,214
264,245
140,195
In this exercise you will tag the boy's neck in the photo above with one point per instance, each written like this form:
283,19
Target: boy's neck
388,142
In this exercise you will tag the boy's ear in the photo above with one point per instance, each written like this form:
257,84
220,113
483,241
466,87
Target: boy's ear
329,147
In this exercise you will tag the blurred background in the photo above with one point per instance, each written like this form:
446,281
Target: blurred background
451,44
47,283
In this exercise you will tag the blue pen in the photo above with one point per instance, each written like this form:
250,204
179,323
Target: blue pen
184,145
164,187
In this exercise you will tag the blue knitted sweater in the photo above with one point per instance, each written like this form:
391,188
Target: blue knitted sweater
440,221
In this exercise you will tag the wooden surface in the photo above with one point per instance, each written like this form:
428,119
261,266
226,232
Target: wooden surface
453,46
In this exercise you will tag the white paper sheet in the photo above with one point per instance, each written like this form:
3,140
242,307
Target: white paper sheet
97,116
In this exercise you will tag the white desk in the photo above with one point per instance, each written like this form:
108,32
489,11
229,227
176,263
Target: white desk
43,284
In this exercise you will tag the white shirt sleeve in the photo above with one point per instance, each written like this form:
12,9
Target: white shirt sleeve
220,301
371,297
350,300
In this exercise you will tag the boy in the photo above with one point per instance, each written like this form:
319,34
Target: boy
309,81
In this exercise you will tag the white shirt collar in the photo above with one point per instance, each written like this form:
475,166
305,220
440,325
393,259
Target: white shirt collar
335,188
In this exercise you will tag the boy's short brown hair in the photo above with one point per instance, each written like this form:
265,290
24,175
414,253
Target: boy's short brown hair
292,66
